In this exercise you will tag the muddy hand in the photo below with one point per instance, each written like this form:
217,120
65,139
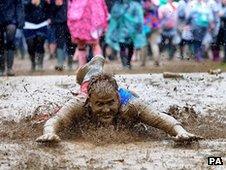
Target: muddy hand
49,137
186,137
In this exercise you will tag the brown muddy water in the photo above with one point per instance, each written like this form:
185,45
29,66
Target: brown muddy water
198,101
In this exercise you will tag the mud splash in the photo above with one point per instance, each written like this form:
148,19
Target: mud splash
29,129
89,147
83,130
205,126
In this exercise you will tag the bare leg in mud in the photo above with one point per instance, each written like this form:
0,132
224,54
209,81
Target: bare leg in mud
105,100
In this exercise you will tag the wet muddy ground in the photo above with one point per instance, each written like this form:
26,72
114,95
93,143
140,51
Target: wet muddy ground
22,67
198,101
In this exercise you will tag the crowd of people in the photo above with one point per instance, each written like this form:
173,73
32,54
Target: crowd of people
78,30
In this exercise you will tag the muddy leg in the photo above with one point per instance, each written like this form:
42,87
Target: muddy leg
94,67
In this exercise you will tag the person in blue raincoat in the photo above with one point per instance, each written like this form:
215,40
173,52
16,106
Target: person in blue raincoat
125,29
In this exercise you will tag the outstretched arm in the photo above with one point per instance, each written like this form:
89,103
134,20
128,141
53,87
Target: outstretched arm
71,111
170,125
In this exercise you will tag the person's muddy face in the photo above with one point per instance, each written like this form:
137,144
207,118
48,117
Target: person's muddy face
105,106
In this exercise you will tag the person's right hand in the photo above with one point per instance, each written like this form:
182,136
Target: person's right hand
35,2
49,137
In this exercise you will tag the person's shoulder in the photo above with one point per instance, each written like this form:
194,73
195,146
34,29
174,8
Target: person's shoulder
129,110
133,108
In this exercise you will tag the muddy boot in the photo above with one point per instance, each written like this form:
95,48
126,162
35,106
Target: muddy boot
33,64
128,61
2,64
60,59
10,72
171,52
70,62
10,59
224,59
94,67
123,60
144,53
1,73
39,57
216,53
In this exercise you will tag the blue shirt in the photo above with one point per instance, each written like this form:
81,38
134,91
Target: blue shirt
125,96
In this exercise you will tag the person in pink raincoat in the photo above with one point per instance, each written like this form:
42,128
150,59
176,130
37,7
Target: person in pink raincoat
87,20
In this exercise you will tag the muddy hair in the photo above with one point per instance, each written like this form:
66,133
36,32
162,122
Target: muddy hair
102,83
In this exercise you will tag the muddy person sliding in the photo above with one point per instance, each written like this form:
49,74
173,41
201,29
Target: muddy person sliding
107,104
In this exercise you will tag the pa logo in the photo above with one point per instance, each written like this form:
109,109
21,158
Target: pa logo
215,161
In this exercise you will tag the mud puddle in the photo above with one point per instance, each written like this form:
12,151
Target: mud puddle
89,147
197,101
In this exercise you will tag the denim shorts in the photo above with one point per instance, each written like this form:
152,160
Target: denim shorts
32,33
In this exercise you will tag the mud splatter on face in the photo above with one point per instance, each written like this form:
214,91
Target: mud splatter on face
103,98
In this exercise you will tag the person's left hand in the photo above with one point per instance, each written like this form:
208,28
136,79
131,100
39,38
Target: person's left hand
49,137
186,137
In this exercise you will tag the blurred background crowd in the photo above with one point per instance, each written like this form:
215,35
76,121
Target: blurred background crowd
71,32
